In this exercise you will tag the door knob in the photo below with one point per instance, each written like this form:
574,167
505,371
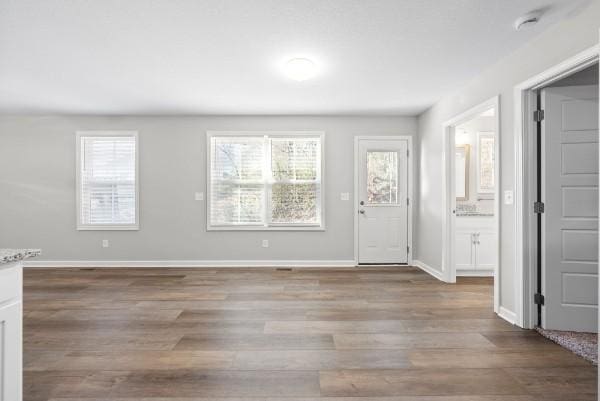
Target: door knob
362,203
361,211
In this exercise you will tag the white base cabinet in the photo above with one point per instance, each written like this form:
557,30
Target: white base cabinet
476,246
11,332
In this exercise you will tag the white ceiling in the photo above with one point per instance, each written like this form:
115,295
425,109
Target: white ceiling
224,56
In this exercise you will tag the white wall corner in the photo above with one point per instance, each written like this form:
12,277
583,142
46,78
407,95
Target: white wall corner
428,269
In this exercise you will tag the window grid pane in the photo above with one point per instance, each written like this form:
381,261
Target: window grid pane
237,181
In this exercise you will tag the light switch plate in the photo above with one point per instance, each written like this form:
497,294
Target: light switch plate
105,243
345,196
508,197
265,243
199,196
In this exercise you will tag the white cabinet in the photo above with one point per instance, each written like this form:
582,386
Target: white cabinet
476,246
11,332
486,251
465,251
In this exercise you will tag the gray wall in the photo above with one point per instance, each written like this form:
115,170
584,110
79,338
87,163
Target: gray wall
553,46
37,187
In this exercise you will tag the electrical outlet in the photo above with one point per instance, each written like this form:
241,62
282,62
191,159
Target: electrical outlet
345,196
508,197
199,196
105,243
265,243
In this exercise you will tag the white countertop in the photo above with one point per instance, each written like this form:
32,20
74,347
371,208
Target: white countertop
14,255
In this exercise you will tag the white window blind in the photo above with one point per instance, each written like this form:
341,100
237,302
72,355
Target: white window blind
265,181
107,184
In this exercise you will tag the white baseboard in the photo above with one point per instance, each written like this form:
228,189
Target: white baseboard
507,315
474,273
428,269
187,263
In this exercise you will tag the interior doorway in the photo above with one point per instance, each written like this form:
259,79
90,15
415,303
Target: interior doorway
567,204
383,207
556,196
471,195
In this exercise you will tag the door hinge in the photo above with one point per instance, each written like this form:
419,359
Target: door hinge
538,299
538,207
407,249
407,153
538,116
407,201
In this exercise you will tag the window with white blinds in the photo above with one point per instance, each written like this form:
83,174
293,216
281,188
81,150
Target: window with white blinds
107,190
265,181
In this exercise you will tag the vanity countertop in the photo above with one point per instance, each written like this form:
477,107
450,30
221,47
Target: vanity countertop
15,255
474,214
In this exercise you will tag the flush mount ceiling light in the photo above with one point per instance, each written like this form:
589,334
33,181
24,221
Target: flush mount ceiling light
528,20
300,69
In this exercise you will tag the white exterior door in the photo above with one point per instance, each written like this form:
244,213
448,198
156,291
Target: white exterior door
383,201
570,219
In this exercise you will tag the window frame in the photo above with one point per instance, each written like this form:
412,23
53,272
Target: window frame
79,135
268,225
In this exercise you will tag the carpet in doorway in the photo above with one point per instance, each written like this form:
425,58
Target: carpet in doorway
582,344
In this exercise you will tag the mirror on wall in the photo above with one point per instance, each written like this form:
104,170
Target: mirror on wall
462,172
485,163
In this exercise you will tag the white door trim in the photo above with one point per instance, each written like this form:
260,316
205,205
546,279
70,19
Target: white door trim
448,192
524,228
409,139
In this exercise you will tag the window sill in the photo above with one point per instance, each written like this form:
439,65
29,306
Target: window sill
262,228
107,228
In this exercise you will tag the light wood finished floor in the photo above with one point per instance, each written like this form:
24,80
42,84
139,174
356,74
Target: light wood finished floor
364,334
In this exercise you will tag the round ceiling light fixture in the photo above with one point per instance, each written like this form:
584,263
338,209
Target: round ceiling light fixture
528,20
300,69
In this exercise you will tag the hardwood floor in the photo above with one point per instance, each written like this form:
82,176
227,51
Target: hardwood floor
364,334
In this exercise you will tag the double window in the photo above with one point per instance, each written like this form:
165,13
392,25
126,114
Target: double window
265,181
107,178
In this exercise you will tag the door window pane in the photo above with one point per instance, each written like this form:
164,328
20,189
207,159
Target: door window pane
382,177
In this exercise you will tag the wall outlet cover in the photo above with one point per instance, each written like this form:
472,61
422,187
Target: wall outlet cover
345,196
265,243
199,196
105,243
508,197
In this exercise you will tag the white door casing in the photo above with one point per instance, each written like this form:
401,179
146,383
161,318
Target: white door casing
449,267
383,198
570,218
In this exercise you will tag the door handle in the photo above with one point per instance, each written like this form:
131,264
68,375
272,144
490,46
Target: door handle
362,203
361,211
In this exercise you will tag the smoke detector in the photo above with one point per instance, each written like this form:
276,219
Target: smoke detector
528,20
